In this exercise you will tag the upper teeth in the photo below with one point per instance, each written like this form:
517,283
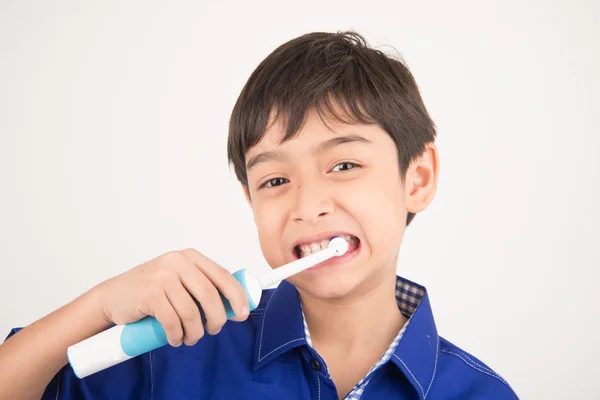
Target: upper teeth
309,248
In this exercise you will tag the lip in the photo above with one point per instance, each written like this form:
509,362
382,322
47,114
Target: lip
325,236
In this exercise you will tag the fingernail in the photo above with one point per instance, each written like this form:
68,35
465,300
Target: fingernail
245,311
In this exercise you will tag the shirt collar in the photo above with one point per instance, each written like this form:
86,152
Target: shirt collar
282,329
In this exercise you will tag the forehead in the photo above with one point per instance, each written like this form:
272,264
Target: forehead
313,131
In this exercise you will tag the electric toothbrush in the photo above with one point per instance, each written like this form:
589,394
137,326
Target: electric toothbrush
123,342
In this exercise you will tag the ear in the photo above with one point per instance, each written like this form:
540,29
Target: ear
422,179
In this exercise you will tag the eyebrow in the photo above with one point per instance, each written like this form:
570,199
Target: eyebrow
326,145
264,157
336,141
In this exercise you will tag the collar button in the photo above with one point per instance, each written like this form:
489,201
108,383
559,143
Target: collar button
315,364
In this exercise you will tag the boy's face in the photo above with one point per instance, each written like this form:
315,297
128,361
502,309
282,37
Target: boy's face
329,182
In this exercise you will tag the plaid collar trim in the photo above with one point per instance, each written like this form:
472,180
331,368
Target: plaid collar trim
408,296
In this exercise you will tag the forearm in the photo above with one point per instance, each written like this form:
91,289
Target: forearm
32,357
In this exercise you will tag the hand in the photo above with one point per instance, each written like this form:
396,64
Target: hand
164,287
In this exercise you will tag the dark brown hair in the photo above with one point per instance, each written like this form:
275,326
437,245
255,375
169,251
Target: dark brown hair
343,79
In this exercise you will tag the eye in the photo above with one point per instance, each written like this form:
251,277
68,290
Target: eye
274,182
344,166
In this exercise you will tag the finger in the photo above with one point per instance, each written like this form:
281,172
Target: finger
164,312
199,286
188,312
224,281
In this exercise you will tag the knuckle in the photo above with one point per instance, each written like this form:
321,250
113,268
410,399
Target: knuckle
208,292
189,252
196,336
190,314
172,259
162,275
214,328
215,324
225,274
192,335
173,329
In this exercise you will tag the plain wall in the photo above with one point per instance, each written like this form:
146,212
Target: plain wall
113,126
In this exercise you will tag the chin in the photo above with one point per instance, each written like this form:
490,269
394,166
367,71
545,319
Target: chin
326,287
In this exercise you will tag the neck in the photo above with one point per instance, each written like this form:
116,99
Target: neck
366,320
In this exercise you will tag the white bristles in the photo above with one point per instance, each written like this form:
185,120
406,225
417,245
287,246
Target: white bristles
337,247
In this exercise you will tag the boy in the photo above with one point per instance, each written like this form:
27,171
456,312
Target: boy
328,138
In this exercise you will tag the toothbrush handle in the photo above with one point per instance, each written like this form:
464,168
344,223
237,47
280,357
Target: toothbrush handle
123,342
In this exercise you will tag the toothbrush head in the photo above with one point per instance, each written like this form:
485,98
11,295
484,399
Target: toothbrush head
339,245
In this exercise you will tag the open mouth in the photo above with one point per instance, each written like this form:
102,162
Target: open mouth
306,249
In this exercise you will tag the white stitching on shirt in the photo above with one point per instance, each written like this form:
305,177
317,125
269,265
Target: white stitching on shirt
317,376
151,378
487,369
262,329
411,374
478,364
57,384
274,350
437,352
319,386
479,369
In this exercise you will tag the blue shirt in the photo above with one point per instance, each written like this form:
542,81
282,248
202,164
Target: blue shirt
268,356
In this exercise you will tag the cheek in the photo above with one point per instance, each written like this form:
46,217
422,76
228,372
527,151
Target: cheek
378,206
269,221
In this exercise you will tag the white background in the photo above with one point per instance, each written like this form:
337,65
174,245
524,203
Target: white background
113,126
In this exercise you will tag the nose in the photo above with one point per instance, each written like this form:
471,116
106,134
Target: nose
312,203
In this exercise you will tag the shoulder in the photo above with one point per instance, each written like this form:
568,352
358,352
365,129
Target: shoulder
468,377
